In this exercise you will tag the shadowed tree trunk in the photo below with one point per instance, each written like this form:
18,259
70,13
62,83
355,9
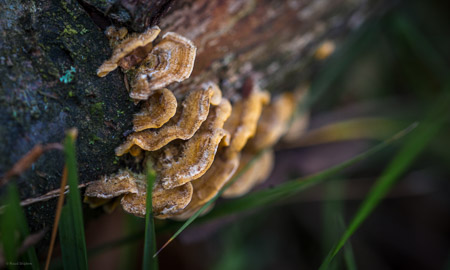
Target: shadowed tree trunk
50,50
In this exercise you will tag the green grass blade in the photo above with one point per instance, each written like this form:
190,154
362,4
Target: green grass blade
276,194
149,261
22,225
283,191
400,163
8,230
230,207
12,221
349,257
71,226
332,209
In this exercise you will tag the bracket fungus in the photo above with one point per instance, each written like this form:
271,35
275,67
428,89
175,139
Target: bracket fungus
272,124
157,110
171,60
183,161
209,184
254,175
196,143
187,120
244,118
127,47
132,187
112,186
166,202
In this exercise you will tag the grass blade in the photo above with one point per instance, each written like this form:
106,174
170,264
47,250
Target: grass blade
349,257
283,191
400,163
149,261
71,227
352,129
12,221
59,206
332,209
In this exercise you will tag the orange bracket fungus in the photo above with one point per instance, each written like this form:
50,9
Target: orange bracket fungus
254,175
132,187
187,120
197,145
113,185
209,184
244,118
274,122
126,47
171,60
184,161
166,202
157,110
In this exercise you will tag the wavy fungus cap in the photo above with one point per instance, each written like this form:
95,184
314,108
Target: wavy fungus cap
133,187
187,120
207,186
254,175
183,161
273,123
113,185
244,119
156,111
165,202
171,60
126,47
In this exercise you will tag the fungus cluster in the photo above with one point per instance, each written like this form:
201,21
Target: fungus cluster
195,142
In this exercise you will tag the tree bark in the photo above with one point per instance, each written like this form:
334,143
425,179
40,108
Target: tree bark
50,50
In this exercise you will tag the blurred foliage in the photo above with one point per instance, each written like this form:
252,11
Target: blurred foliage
395,69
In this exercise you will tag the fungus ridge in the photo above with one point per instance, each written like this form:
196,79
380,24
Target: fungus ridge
183,161
112,185
187,120
254,175
171,60
126,47
209,184
157,110
165,202
244,118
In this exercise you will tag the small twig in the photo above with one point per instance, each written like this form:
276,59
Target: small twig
59,207
47,196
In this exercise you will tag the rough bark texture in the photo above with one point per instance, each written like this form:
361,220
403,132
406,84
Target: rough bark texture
41,41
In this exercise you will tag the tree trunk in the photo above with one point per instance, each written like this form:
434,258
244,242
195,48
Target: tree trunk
50,50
